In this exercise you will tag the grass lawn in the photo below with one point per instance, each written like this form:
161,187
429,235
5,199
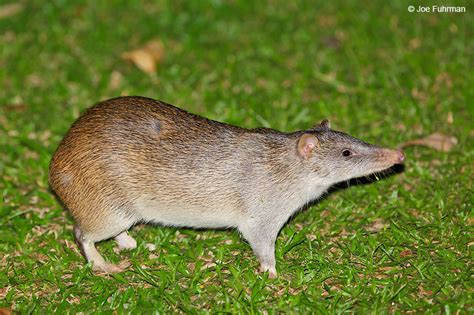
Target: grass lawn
399,245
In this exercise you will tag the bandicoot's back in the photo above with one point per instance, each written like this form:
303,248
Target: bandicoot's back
129,154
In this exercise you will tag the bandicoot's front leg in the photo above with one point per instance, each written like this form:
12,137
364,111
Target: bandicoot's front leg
263,244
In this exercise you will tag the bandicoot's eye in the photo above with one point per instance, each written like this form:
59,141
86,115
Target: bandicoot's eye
346,152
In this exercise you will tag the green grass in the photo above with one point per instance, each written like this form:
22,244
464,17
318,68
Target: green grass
399,245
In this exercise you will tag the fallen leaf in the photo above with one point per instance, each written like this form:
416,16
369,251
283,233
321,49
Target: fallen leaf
450,118
16,107
116,79
326,21
10,9
298,226
3,292
380,276
437,141
453,28
400,126
376,226
73,300
325,213
420,96
5,311
42,258
151,247
414,43
331,42
423,292
386,268
208,265
406,253
147,57
435,162
35,80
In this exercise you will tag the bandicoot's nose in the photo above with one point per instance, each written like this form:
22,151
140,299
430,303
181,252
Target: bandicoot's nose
392,156
400,156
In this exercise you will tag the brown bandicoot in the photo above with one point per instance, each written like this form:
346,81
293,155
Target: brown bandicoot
134,159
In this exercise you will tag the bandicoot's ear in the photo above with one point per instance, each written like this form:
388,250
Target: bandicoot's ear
324,124
306,145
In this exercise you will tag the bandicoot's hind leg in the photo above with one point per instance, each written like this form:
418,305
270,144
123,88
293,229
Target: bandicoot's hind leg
86,242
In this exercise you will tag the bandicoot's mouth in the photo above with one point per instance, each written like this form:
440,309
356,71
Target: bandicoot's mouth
380,170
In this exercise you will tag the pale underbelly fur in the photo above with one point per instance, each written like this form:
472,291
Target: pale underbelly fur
187,215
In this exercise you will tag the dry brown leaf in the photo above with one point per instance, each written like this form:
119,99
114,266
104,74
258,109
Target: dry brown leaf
4,291
376,226
10,9
147,57
414,43
208,265
73,300
116,79
437,141
16,107
470,220
5,311
450,118
423,292
406,253
453,28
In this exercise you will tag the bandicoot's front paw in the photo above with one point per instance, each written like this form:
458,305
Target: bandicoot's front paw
272,273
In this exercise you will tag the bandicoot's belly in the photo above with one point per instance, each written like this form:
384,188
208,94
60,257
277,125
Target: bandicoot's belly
180,214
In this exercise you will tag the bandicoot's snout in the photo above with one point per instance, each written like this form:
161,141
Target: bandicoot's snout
401,156
392,156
